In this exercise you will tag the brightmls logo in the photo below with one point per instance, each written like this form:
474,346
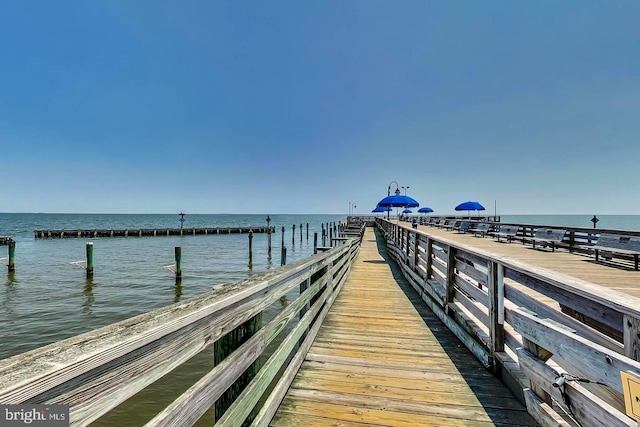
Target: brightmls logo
34,415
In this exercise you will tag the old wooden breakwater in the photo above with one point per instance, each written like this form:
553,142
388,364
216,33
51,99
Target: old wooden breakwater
147,232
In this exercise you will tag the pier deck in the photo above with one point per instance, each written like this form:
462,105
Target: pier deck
147,232
622,278
380,358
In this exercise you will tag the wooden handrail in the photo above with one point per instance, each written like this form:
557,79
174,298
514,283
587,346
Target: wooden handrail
491,302
96,371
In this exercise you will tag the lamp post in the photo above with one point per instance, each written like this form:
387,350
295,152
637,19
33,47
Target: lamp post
405,189
389,192
352,207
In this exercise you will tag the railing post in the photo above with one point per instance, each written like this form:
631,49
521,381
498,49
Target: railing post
451,279
416,251
223,348
429,254
631,337
407,245
495,287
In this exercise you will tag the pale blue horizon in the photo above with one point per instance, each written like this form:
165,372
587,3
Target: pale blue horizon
290,107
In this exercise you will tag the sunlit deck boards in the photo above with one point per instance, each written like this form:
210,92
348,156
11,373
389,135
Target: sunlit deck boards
379,360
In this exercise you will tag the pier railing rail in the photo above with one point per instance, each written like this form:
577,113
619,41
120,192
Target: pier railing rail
96,371
508,314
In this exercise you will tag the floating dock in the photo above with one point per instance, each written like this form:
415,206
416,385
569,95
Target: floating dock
147,232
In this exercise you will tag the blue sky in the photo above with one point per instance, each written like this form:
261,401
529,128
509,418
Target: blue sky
304,107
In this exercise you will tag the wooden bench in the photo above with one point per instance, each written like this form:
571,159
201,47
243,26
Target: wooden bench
617,243
547,235
462,227
481,228
507,231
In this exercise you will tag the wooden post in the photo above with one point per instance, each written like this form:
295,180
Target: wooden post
429,267
89,259
282,237
330,236
416,251
283,256
250,248
178,254
451,279
495,285
12,255
307,231
268,235
315,243
631,337
223,348
293,235
323,238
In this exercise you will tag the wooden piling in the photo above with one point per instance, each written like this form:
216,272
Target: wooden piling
12,255
89,260
301,232
330,236
307,231
315,243
178,255
250,248
282,237
283,256
293,235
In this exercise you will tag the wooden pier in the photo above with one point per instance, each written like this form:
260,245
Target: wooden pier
5,240
147,232
398,326
382,358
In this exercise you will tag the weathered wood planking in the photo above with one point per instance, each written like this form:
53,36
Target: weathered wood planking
380,358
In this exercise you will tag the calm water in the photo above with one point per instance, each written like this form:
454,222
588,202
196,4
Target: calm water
49,299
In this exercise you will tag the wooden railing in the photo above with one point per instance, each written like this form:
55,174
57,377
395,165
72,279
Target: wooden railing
507,313
96,371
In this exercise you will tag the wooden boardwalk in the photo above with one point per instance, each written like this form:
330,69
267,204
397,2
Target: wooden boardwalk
622,278
383,359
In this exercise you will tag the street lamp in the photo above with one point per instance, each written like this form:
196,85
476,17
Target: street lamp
352,207
405,189
389,188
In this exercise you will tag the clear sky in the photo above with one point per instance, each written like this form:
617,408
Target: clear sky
304,107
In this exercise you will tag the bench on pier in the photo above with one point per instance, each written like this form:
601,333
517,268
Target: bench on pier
546,236
462,227
481,228
507,231
616,243
449,224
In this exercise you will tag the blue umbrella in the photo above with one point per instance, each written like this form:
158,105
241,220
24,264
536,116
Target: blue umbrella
470,206
379,209
398,201
407,211
425,210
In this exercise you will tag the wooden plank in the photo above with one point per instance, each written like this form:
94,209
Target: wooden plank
542,412
632,337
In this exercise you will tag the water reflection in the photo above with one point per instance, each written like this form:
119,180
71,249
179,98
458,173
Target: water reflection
177,290
88,295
